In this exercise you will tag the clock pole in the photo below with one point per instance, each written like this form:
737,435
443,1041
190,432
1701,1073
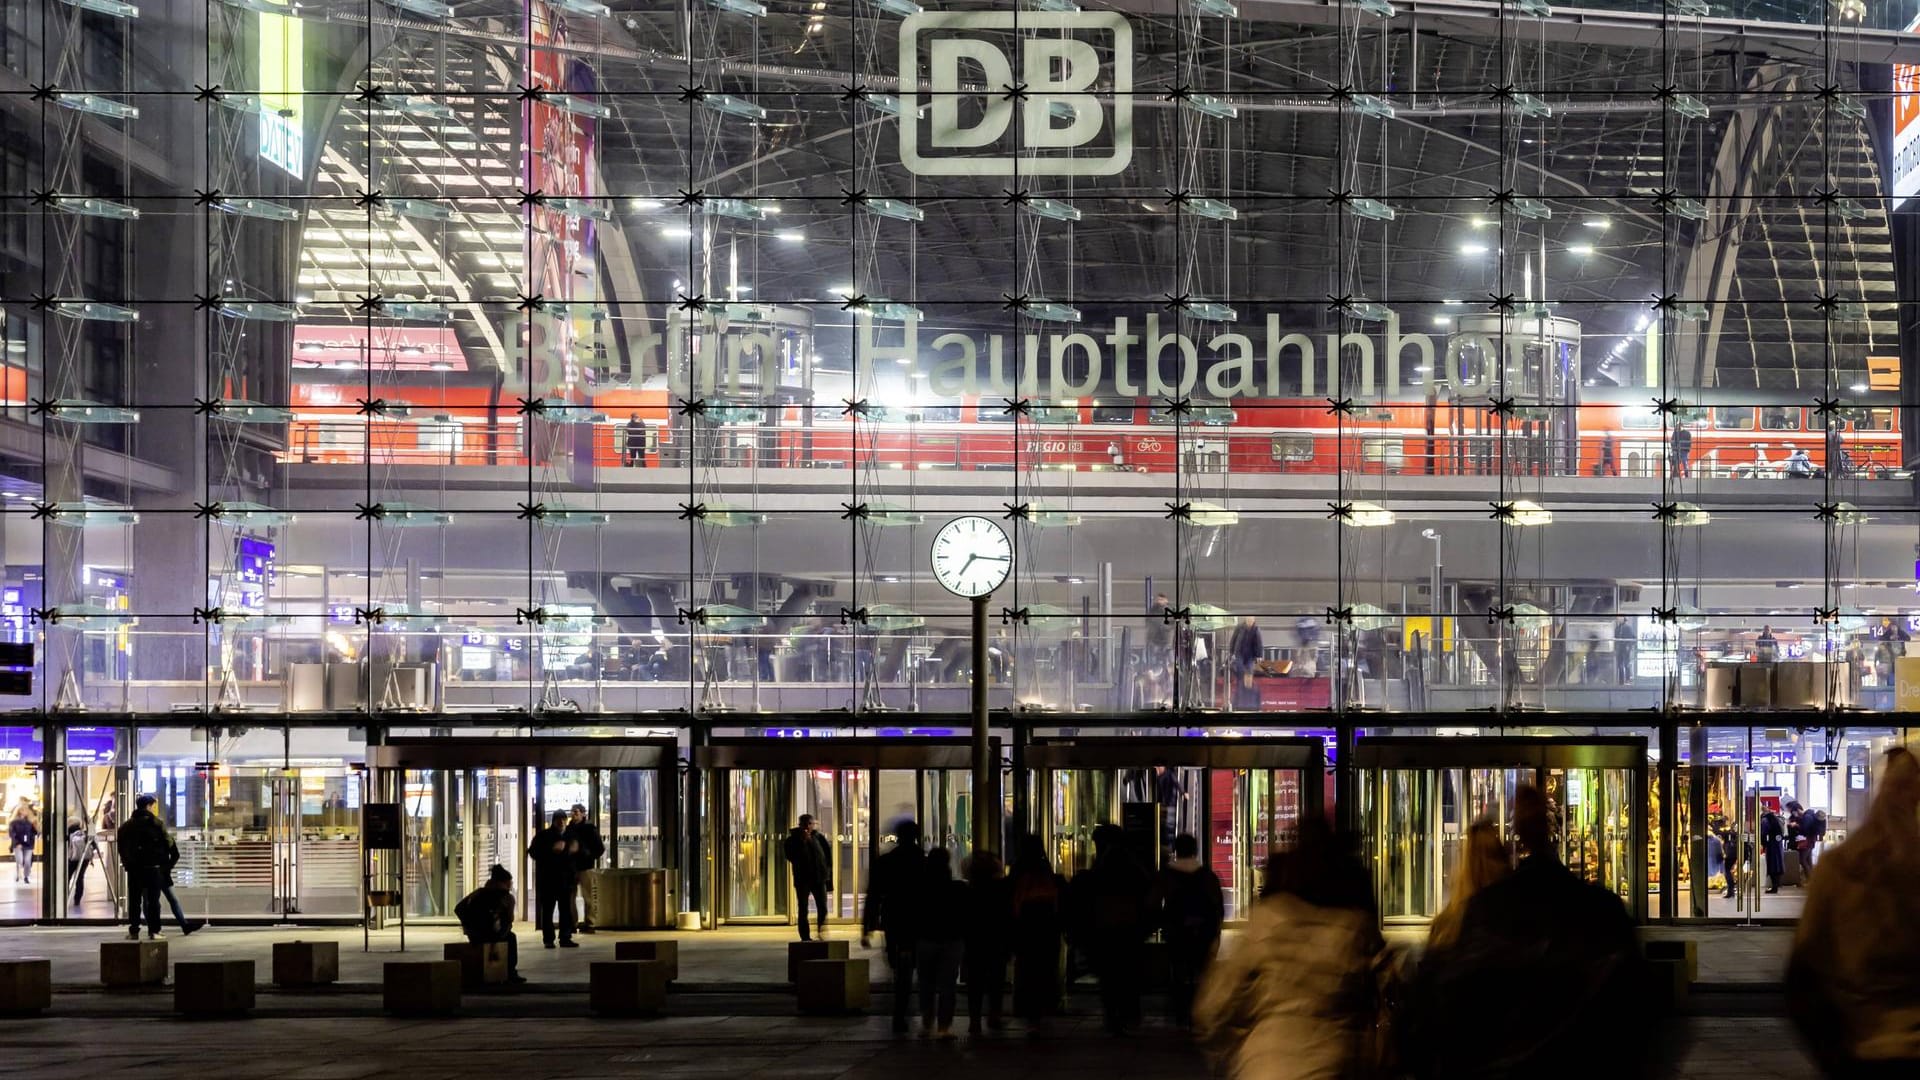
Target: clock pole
984,803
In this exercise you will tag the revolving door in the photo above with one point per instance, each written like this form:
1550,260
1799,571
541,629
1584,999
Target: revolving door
1242,799
855,789
1420,795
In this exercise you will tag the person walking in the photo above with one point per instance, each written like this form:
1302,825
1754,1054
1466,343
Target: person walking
588,846
23,831
1190,907
1246,650
1038,905
941,944
554,875
81,850
1624,640
1853,978
1543,978
1773,835
1110,925
989,929
1680,447
486,917
166,888
811,862
1295,997
893,908
1486,860
143,845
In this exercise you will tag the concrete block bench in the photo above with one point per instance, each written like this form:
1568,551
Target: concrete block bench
1687,952
420,987
480,965
133,963
26,987
213,987
667,952
306,963
834,986
627,987
800,952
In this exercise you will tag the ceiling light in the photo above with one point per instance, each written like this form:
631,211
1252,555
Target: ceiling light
1439,320
792,236
1473,249
1858,388
641,206
1601,224
1580,249
841,290
675,232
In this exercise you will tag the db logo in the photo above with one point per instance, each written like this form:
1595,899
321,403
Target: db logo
1007,92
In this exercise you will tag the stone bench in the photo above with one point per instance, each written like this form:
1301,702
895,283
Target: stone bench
420,987
26,987
800,952
213,987
133,963
480,965
1667,984
666,951
306,963
627,987
1686,951
834,986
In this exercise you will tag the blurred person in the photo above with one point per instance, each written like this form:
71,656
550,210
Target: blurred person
941,943
1296,997
81,851
989,932
1110,923
1246,650
166,887
1039,900
635,451
23,831
894,907
1797,466
1625,637
1766,647
1486,860
486,917
588,846
1544,976
1190,907
554,881
1893,634
1853,980
1159,653
142,846
811,863
1773,834
1680,451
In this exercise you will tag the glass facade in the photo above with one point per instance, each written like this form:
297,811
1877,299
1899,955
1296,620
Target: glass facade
540,365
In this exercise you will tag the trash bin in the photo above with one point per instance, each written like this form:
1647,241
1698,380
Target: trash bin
634,899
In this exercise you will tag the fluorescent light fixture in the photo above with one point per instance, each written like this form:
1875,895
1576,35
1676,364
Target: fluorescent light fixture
675,232
1600,224
1858,388
792,236
1582,250
841,290
1439,320
1473,249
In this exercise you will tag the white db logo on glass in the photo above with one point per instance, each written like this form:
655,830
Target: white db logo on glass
962,121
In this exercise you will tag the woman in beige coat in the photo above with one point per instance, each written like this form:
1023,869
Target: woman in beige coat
1295,998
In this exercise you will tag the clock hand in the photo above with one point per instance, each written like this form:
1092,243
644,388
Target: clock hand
994,558
971,559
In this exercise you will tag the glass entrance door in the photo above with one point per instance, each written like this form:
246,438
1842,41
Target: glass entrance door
755,804
460,822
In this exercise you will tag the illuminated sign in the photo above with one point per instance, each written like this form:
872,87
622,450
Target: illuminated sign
283,138
1906,128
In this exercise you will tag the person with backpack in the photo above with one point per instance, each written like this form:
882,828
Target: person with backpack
1038,907
1190,905
1110,925
584,837
142,844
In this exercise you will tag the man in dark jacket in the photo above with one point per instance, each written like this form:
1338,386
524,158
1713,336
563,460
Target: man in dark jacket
486,917
1545,977
811,861
895,906
588,847
1191,907
554,875
142,846
1111,921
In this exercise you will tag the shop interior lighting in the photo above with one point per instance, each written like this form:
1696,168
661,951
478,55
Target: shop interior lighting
894,208
580,209
1369,311
1052,311
81,514
1531,105
592,9
244,411
903,8
1208,105
1225,9
580,106
258,311
420,209
1371,209
82,411
1522,512
242,514
1057,209
88,206
1211,311
257,208
892,310
1366,515
739,7
94,311
1688,106
417,311
415,105
743,209
432,9
1215,209
728,105
1533,209
90,617
1379,8
97,105
1535,9
114,8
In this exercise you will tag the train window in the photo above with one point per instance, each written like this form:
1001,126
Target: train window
1779,418
939,414
1640,417
1733,417
1113,412
1199,414
1062,413
1871,419
1293,448
994,412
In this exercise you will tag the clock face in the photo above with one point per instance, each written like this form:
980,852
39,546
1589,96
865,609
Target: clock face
971,556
